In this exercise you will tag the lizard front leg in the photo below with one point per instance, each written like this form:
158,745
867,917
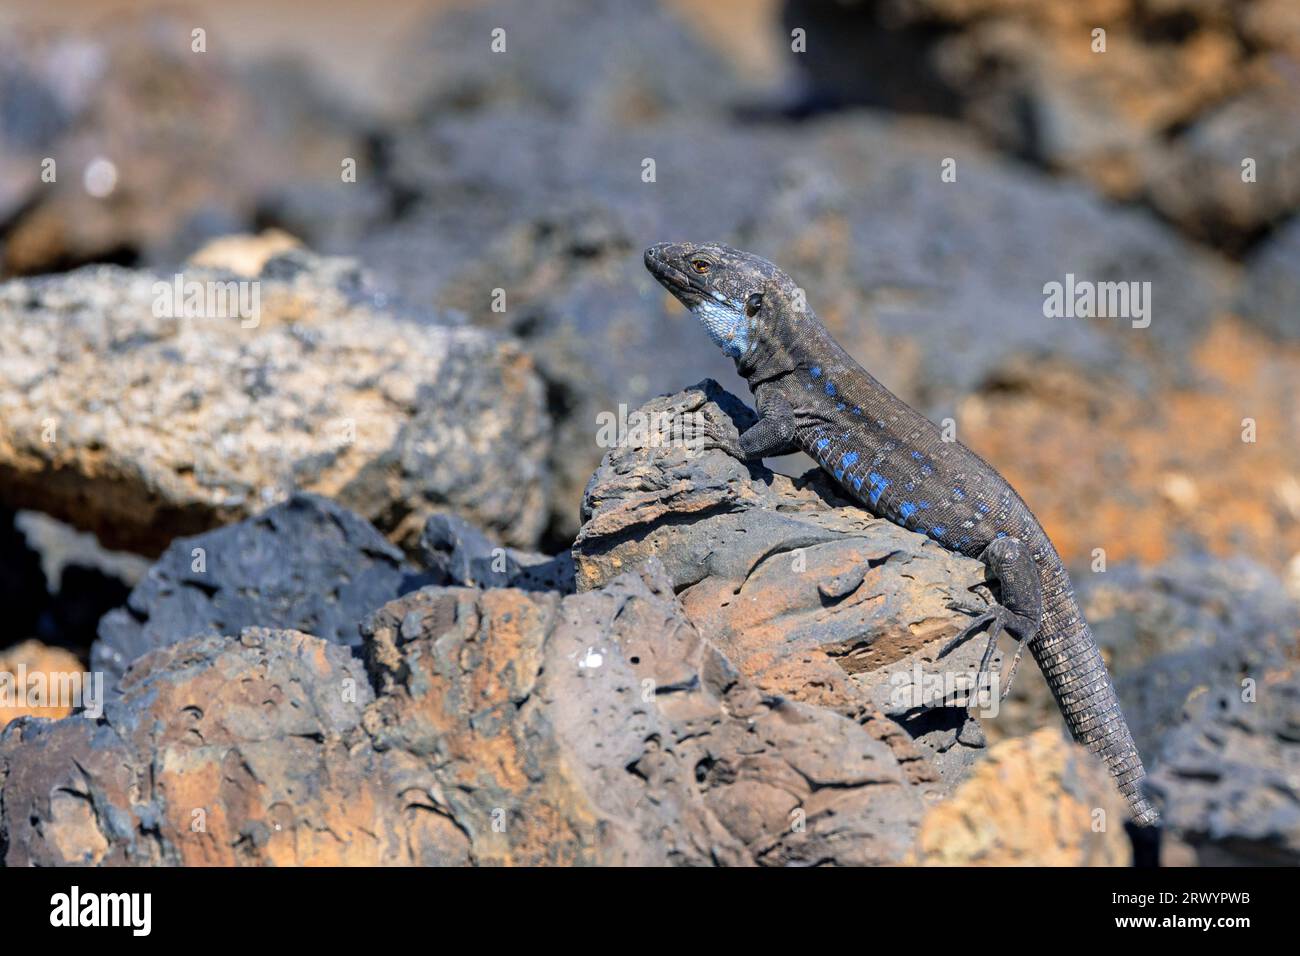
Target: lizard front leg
771,435
1020,612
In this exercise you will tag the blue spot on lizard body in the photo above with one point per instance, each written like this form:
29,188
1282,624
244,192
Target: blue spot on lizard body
878,484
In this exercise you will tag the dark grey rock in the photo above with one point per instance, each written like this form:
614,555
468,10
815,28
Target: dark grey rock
1229,778
85,580
32,117
457,553
199,149
1197,622
619,60
1197,182
22,583
1271,287
308,564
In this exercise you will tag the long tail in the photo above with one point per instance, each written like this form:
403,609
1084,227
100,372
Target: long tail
1069,658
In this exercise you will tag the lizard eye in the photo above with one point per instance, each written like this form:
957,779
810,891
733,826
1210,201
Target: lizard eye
700,266
753,304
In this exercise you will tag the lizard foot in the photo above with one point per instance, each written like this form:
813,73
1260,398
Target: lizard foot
712,435
997,618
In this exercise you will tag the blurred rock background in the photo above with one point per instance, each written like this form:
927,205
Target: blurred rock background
382,378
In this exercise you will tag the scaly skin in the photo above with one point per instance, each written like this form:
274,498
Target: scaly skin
811,395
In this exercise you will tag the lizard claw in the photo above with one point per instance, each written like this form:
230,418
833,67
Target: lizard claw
973,609
727,441
996,617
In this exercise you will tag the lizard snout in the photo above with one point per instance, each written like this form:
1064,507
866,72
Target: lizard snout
663,261
661,253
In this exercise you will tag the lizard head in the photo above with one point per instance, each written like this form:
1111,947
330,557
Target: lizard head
726,289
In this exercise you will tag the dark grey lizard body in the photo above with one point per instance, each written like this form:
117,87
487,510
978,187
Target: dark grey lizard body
811,395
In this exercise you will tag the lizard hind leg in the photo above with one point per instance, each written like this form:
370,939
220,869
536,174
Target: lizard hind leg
1019,613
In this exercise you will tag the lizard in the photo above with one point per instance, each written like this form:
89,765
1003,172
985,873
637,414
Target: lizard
893,461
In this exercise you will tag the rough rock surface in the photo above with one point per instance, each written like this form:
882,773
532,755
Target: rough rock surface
138,427
807,594
606,68
1039,800
1189,626
508,727
219,752
1229,777
605,730
307,565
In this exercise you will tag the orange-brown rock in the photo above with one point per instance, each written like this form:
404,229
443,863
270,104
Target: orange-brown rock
600,728
32,658
806,593
219,752
508,728
244,255
1207,457
1035,801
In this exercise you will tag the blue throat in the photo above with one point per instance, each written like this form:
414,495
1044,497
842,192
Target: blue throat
727,326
